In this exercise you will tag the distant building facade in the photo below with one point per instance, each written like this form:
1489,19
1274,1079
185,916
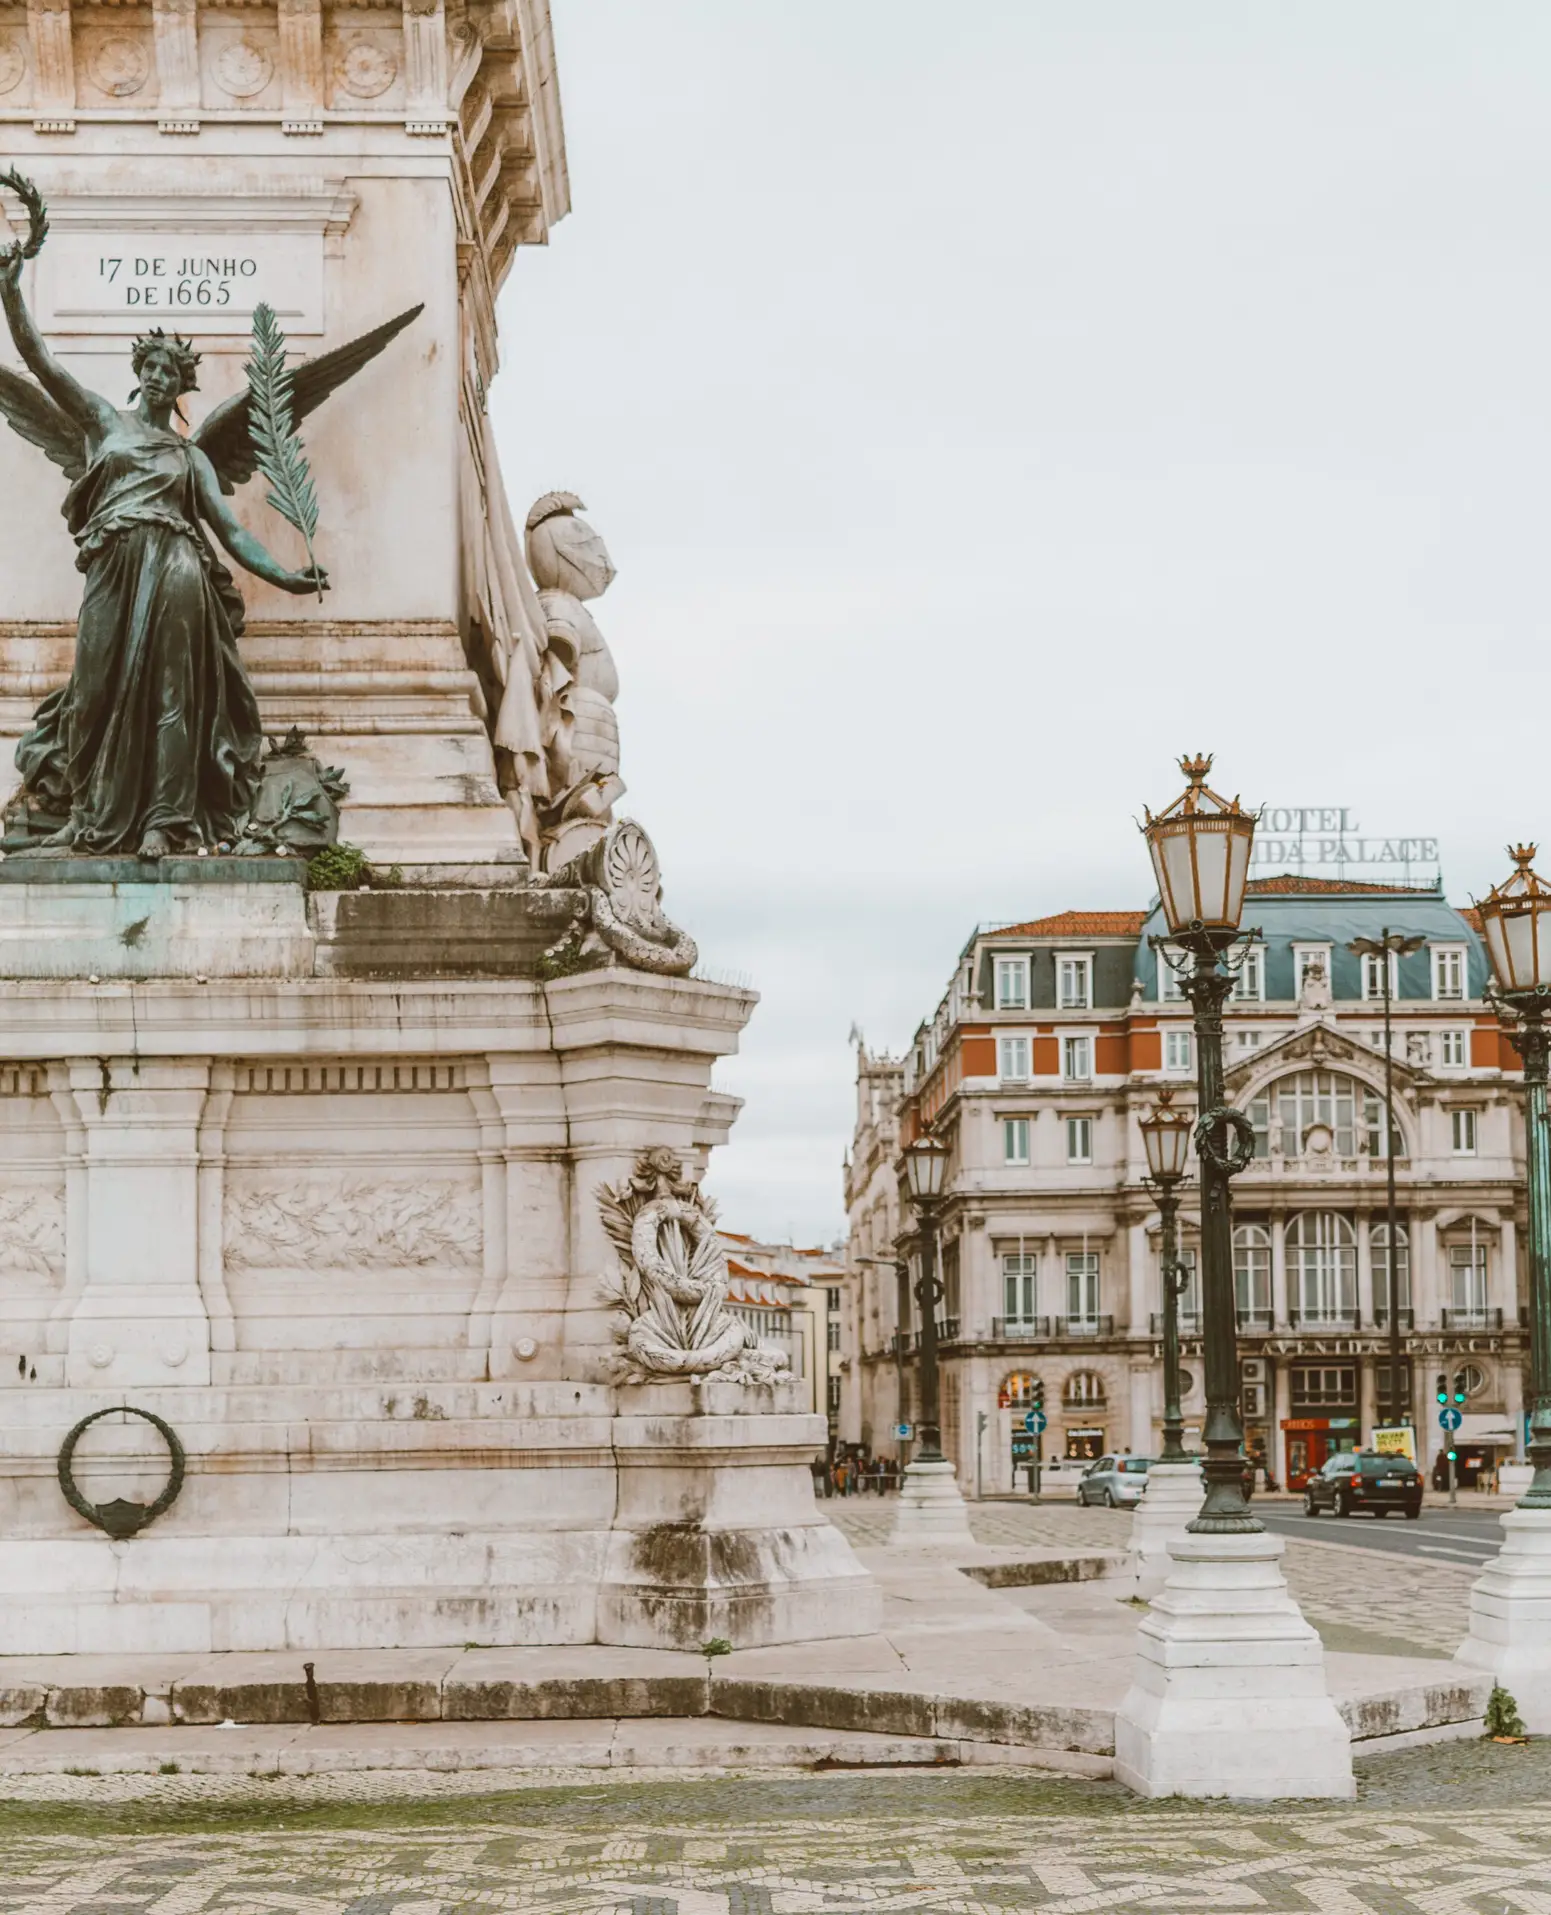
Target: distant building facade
1053,1040
794,1299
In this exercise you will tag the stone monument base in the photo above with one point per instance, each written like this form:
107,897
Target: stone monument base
930,1508
1170,1504
1510,1616
1228,1697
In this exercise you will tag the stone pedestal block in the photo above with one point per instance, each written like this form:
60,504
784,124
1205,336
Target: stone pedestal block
1514,1479
1510,1616
716,1531
1170,1504
1228,1697
931,1508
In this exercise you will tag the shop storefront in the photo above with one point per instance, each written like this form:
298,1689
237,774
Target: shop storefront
1312,1441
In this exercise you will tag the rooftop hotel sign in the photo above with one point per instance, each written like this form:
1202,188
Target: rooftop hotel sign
1329,837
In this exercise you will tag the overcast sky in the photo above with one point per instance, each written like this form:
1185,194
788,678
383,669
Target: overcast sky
984,405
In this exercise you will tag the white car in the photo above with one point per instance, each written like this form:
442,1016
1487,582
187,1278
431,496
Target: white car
1115,1481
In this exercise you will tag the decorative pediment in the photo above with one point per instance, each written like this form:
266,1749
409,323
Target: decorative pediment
1322,1047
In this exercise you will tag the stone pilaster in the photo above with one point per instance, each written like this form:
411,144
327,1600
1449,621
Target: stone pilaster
176,26
53,66
425,67
301,66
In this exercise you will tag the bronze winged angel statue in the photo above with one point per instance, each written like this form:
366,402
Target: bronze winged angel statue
154,745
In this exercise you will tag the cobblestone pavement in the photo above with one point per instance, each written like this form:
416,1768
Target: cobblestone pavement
1357,1598
1453,1831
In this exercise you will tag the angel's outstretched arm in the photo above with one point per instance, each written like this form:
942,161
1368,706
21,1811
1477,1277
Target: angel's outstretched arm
91,413
240,542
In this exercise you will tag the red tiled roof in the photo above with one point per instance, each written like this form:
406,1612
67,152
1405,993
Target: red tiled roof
1296,884
1473,918
1079,924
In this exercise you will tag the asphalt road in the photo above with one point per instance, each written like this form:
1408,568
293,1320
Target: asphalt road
1462,1535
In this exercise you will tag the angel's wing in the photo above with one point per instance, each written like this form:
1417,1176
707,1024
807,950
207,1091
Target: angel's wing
29,411
224,437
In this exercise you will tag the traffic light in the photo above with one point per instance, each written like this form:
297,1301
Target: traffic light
1443,1388
1453,1456
1459,1386
1039,1393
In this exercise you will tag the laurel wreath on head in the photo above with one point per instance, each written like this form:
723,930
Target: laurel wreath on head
37,219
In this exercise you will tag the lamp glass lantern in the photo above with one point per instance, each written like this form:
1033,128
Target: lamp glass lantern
926,1163
1166,1138
1516,922
1200,850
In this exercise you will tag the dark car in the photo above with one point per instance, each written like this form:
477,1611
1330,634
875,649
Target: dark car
1377,1484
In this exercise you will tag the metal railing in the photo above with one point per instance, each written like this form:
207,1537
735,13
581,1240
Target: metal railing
1254,1319
1085,1326
1322,1319
1189,1323
1381,1318
1472,1319
1019,1329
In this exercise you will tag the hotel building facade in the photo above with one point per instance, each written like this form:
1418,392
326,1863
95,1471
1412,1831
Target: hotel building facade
1053,1039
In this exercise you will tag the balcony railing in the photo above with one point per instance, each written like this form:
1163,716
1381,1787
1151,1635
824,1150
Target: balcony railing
1085,1326
1254,1319
1322,1319
1019,1329
1472,1319
1189,1323
1381,1318
907,1342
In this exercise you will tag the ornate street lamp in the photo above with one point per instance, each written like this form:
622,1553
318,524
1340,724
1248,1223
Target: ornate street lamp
1516,920
1386,944
1200,850
1166,1138
926,1162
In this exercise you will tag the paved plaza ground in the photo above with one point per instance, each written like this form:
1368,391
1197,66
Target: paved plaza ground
1454,1831
1457,1828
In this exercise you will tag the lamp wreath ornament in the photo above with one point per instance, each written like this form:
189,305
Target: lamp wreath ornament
1200,848
37,219
1516,923
121,1518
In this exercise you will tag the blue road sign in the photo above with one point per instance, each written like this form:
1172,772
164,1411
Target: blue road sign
903,1431
1450,1418
1034,1422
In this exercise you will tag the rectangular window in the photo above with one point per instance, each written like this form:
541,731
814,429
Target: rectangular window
1170,988
1190,1296
1079,1140
832,1339
1453,1047
1448,972
833,1396
1077,1059
1015,1140
1464,1132
1467,1280
1020,1287
1012,984
832,1300
1074,983
1082,1288
1012,1059
1373,975
1249,1040
1178,1053
1249,980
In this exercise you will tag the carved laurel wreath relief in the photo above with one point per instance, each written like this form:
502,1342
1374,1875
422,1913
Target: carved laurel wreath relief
354,1223
32,1234
13,63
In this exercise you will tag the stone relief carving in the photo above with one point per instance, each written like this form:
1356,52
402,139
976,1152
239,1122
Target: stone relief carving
32,1234
13,64
671,1288
119,65
244,69
623,882
341,1222
365,69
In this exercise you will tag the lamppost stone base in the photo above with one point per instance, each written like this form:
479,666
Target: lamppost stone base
1228,1697
930,1507
1510,1616
1170,1504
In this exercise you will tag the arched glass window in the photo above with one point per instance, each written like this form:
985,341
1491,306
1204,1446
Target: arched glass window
1322,1266
1252,1274
1083,1390
1378,1239
1018,1391
1319,1113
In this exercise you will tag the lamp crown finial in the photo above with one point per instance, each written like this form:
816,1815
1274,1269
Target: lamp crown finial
1196,768
1523,855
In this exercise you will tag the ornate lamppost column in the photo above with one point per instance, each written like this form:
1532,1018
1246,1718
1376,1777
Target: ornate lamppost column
1510,1606
931,1507
1274,1729
1172,1498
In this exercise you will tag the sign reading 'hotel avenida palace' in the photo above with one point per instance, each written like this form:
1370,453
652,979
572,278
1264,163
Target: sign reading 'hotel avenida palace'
1054,1038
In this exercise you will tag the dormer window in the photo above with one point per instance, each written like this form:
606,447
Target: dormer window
1449,971
1074,981
1373,974
1012,984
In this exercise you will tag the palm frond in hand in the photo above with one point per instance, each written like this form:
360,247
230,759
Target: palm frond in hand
281,458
